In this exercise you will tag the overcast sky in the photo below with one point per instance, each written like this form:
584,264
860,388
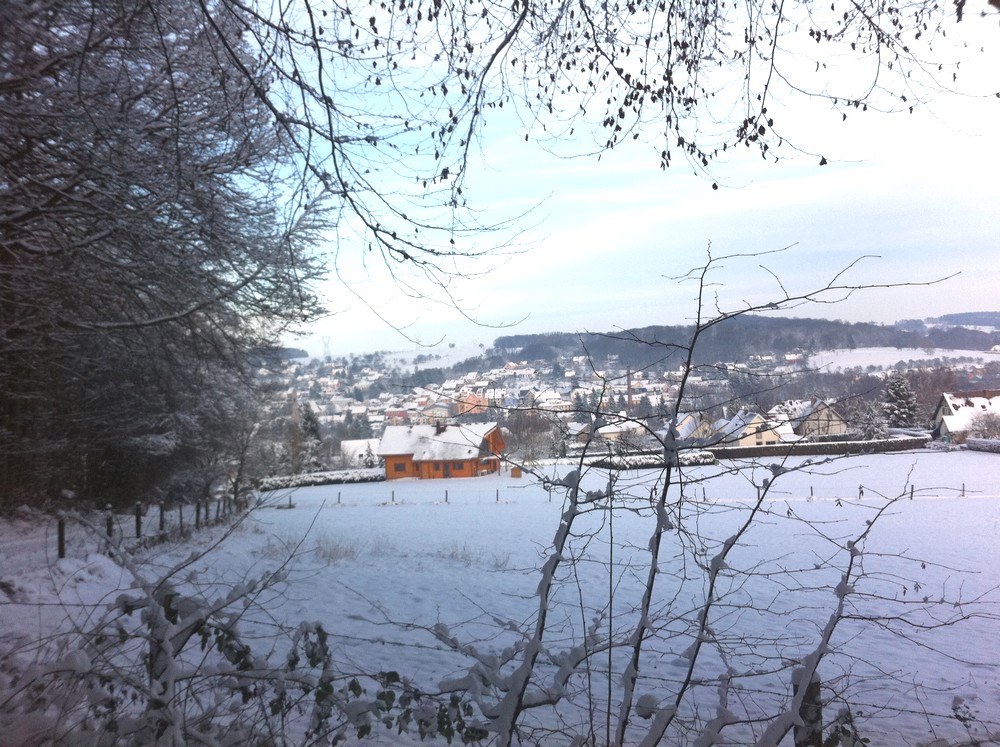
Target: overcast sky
605,238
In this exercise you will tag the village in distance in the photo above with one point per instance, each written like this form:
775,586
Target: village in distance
760,386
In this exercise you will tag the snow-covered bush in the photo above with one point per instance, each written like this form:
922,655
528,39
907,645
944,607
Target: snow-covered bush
985,425
330,477
872,423
983,444
688,458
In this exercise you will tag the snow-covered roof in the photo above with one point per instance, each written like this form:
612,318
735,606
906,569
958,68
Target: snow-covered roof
435,442
574,428
962,407
797,410
746,423
737,427
618,427
687,424
549,397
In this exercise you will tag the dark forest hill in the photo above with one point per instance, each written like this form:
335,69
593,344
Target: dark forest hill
737,339
971,319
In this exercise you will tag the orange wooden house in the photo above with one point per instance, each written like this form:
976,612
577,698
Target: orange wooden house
440,450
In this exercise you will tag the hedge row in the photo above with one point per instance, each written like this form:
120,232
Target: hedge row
825,448
983,444
707,455
333,477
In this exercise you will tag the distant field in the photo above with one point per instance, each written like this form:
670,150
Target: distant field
833,360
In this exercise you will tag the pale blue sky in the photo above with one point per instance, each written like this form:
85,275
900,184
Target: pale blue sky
918,190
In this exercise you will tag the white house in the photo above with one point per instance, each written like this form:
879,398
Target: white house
744,429
956,410
810,417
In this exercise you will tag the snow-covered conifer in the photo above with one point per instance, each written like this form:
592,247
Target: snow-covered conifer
872,422
898,402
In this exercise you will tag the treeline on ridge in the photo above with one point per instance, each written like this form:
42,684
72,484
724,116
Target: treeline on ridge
737,339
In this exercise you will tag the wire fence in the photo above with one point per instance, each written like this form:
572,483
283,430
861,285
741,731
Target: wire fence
151,523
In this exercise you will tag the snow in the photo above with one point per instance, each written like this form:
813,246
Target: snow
961,409
431,442
442,591
884,358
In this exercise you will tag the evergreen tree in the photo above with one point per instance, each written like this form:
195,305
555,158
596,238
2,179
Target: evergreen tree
594,401
872,422
645,408
310,424
361,428
663,409
898,402
141,165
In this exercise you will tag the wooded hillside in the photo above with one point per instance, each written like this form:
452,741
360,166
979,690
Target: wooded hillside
741,337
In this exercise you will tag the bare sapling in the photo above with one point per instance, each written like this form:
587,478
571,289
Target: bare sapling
727,623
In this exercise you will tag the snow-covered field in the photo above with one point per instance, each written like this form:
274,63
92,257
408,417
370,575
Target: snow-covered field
400,572
886,358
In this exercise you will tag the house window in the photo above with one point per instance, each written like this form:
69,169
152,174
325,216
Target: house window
437,466
458,466
399,467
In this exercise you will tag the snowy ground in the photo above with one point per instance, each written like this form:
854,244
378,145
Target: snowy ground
886,358
380,565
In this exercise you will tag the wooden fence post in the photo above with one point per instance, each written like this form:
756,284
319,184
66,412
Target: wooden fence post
61,537
163,518
109,527
138,520
197,513
180,516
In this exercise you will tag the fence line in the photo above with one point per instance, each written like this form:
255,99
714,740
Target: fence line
170,523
